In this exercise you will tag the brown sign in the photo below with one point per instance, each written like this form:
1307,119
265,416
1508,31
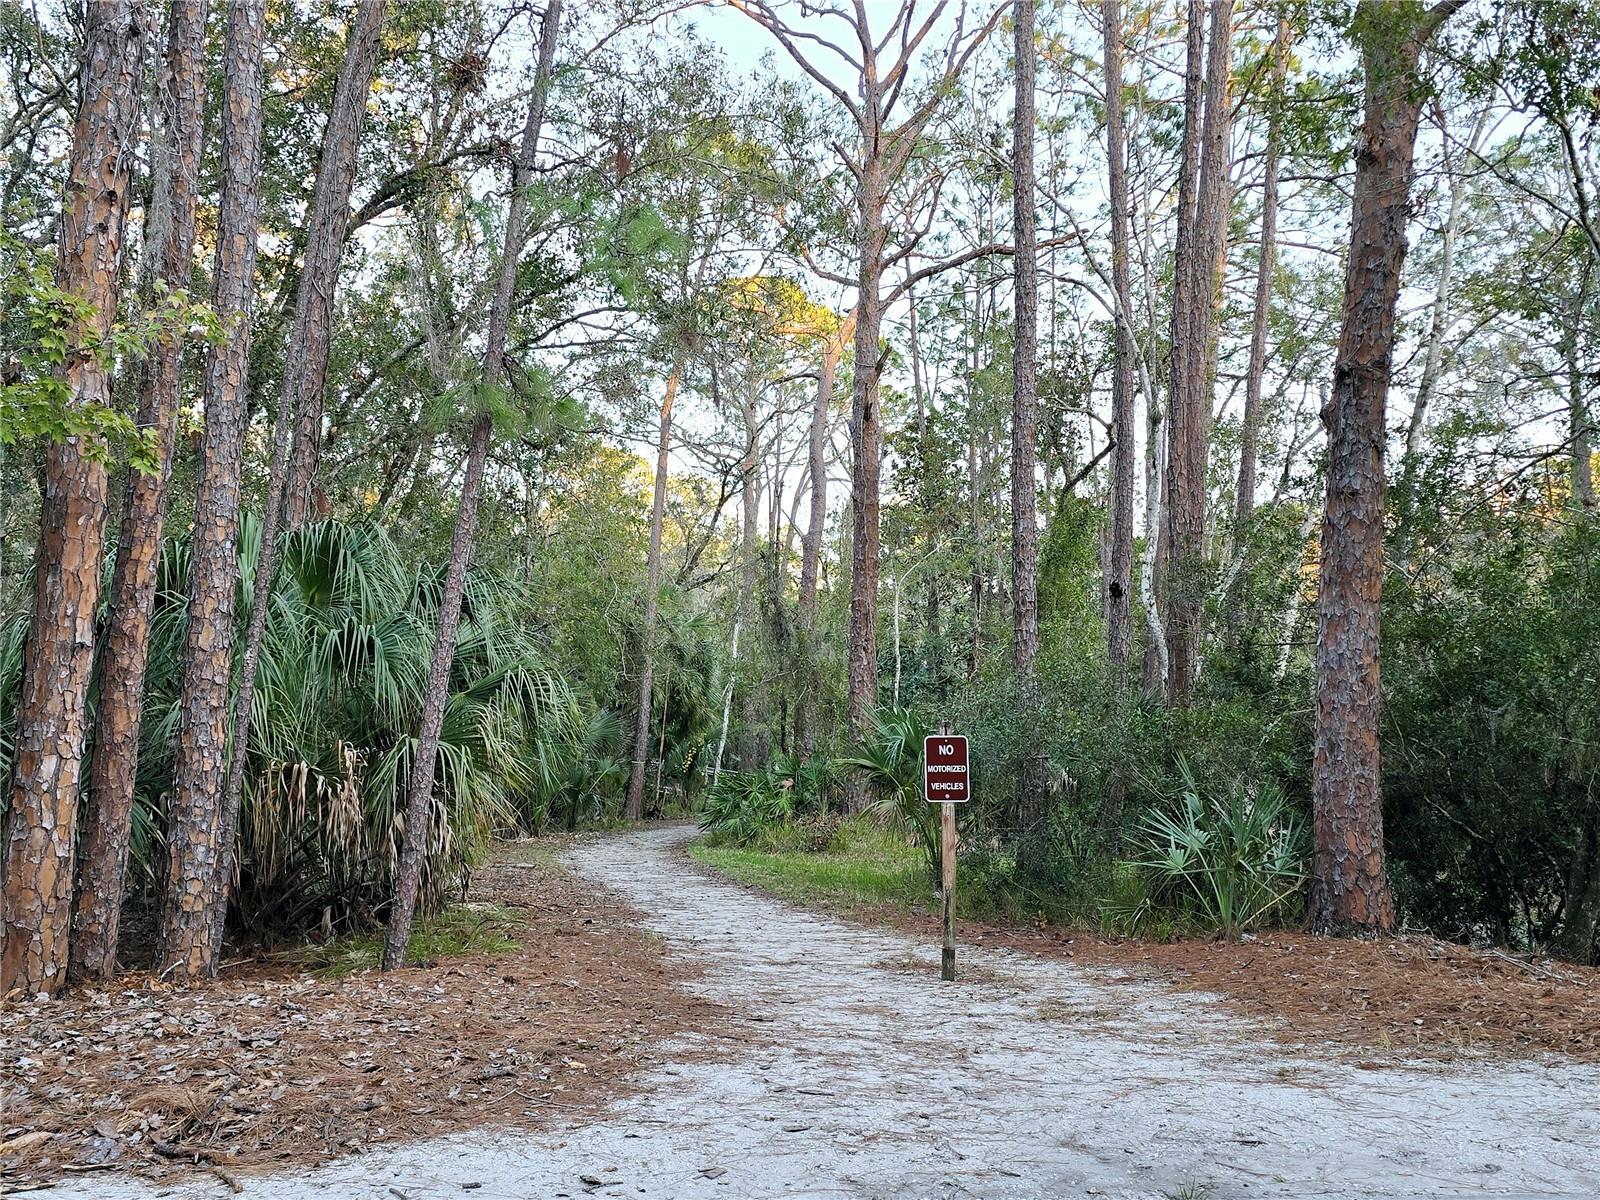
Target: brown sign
944,769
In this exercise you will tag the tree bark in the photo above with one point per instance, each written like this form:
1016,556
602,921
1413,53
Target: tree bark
1244,495
305,368
633,806
1180,352
198,858
1350,885
52,709
865,442
306,358
125,648
1024,428
811,547
1194,333
1119,588
1580,418
747,745
1433,353
419,801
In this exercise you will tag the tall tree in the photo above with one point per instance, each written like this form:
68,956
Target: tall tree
52,710
879,65
1196,296
1119,608
811,546
1350,885
1024,426
419,801
304,375
125,645
1245,490
306,356
197,849
633,807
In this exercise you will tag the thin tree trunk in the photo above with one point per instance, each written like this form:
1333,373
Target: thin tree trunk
633,806
1158,659
1245,491
1291,604
419,801
661,744
1580,419
747,743
52,709
305,368
1433,354
975,493
811,546
306,356
1350,885
197,846
1119,623
727,705
124,651
1024,430
1182,341
1582,453
1195,297
865,440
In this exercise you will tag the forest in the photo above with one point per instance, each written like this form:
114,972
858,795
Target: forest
431,422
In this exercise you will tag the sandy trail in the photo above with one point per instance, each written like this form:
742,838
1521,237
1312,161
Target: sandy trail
1027,1078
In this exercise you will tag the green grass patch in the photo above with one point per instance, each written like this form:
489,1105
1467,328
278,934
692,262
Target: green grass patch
873,867
459,931
868,864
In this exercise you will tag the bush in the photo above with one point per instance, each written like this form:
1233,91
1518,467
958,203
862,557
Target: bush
1236,859
344,670
891,758
742,805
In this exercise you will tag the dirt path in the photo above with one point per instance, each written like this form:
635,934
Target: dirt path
1028,1078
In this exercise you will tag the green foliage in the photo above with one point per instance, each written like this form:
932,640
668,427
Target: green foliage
742,805
1491,767
52,331
343,673
1237,856
891,759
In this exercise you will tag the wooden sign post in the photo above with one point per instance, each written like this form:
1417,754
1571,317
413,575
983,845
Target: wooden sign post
945,783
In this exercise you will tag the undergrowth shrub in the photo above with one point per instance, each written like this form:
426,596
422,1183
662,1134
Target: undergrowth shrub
743,805
1233,859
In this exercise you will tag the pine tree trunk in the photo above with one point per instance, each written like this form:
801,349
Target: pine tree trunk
52,709
633,807
306,356
1119,606
125,647
1181,352
1350,886
1194,334
1245,491
419,800
305,366
198,859
1024,430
